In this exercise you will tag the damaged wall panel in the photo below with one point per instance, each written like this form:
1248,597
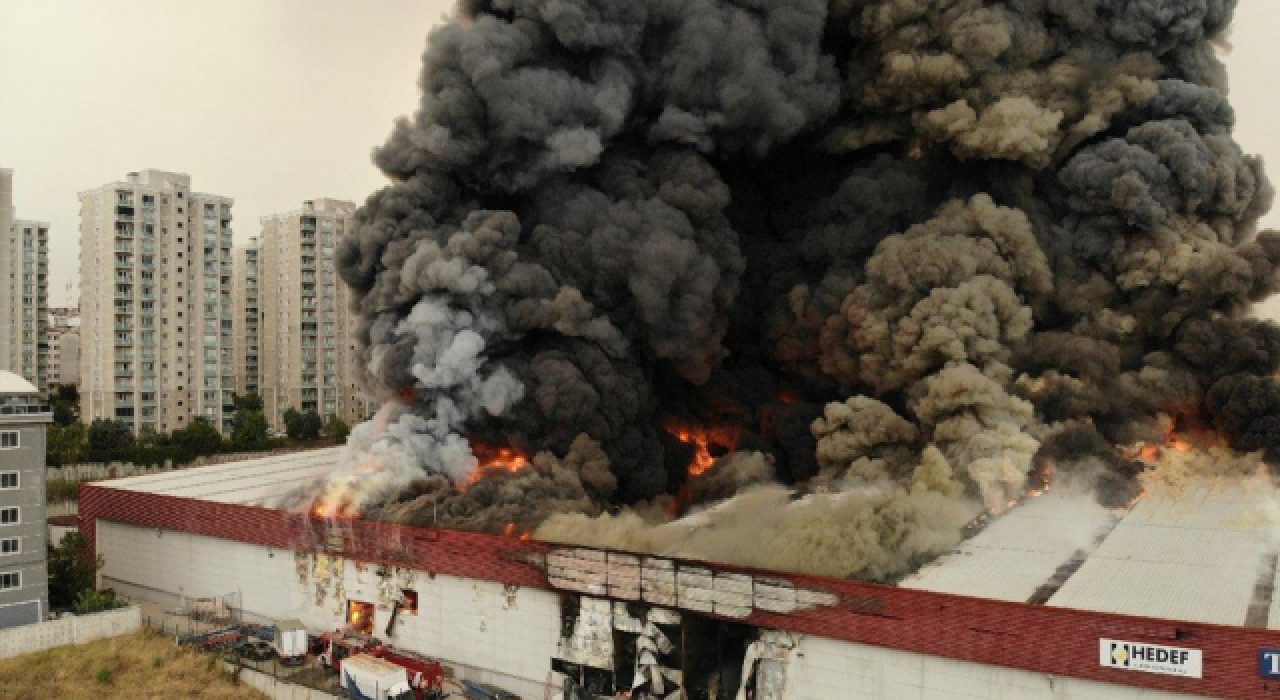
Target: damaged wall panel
667,583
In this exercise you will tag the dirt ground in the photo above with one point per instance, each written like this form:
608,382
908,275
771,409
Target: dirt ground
140,666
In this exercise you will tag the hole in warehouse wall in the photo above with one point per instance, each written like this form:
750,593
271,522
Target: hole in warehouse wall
713,655
360,616
410,601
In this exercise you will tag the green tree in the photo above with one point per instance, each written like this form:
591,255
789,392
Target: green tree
250,431
336,430
149,437
66,405
66,444
198,438
89,601
293,424
311,425
248,403
107,434
71,570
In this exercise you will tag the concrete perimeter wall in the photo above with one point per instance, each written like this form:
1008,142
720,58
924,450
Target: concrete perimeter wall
80,629
274,687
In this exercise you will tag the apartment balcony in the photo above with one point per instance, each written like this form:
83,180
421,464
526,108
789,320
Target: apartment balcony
124,247
124,402
124,386
124,213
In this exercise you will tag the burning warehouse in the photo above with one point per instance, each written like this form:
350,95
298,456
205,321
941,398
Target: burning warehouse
1020,609
825,288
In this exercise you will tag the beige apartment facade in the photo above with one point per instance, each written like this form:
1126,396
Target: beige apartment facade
246,299
64,347
24,291
156,344
304,329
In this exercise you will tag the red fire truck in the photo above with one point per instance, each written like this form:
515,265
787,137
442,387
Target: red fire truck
426,675
341,644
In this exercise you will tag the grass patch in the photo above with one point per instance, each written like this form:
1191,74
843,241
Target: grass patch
135,666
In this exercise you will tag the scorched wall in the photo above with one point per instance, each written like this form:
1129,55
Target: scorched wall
491,632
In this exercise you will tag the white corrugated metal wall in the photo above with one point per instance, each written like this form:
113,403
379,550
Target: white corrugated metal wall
513,633
492,633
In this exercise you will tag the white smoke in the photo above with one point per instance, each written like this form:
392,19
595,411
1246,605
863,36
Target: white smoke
397,446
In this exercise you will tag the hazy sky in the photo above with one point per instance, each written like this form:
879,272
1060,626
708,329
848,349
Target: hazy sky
276,101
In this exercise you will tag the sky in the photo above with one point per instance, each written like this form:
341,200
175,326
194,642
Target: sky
274,102
271,102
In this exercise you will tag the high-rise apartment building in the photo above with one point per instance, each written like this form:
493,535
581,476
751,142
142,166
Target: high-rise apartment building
64,347
304,337
156,345
24,291
246,300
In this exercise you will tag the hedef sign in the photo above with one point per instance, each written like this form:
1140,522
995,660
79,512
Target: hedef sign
1269,663
1151,658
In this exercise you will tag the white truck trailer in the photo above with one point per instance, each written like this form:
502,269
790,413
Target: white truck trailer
366,677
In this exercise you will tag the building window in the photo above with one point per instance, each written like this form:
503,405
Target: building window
10,440
8,481
10,545
10,581
409,602
10,516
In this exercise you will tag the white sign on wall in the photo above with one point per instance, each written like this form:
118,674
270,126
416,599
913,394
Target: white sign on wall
1150,658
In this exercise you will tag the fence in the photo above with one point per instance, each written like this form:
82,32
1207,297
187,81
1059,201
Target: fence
80,629
306,682
274,687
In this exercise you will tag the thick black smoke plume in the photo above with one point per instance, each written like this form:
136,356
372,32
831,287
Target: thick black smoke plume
891,248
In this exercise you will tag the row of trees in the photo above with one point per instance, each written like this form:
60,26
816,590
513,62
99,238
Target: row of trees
71,441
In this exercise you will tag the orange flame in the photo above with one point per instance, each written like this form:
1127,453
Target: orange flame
702,459
709,443
495,458
511,530
788,397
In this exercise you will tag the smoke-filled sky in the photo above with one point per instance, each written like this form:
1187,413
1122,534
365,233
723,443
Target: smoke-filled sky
276,102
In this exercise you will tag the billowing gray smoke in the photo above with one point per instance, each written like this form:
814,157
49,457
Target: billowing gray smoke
893,251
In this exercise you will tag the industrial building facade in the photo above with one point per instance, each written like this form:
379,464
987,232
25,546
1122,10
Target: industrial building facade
156,342
527,615
24,588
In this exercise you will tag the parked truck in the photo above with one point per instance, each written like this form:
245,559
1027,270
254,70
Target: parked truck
366,677
338,645
290,642
426,675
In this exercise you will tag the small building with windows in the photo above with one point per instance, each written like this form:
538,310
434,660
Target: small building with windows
24,582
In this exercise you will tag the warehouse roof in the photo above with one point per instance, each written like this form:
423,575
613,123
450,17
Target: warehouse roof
1202,553
247,482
